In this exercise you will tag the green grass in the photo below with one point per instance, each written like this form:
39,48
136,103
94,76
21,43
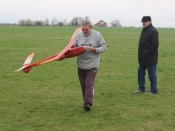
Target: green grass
49,97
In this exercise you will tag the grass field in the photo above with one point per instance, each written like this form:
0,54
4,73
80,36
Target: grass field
49,97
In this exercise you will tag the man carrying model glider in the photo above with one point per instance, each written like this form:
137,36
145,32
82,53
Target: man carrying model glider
89,61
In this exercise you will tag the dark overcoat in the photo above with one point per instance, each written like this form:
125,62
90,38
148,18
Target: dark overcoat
148,46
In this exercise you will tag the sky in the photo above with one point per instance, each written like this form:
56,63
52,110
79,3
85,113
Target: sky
128,12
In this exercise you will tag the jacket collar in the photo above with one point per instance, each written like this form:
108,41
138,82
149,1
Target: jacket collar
147,27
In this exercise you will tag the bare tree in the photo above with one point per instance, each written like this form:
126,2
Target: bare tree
87,18
22,22
54,21
46,23
116,23
60,24
38,23
80,20
69,24
76,21
64,22
29,22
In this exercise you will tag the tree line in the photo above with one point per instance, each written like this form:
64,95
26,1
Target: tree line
76,21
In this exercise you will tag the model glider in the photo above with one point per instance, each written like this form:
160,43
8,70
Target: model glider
67,52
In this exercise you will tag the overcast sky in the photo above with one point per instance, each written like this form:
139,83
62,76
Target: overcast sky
128,12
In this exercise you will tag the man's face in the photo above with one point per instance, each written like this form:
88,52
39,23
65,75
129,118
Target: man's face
145,24
86,29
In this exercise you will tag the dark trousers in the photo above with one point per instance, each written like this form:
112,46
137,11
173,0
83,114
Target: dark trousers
152,77
87,78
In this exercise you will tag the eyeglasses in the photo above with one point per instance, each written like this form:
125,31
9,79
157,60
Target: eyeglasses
84,30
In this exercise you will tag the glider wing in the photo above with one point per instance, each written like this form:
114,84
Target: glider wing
67,52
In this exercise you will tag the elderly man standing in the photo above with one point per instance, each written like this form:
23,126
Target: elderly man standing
147,56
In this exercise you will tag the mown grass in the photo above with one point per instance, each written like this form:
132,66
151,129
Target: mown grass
49,97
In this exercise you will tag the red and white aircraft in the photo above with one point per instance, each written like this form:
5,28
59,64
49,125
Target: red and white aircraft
67,52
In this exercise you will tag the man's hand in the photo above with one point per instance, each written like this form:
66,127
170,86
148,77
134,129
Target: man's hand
91,49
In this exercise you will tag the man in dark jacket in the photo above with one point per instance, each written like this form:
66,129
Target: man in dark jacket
147,56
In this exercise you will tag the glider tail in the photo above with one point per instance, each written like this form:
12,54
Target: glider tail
28,59
26,68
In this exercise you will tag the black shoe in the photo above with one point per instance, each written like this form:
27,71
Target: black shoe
87,107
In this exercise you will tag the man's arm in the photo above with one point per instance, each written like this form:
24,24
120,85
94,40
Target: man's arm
101,45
